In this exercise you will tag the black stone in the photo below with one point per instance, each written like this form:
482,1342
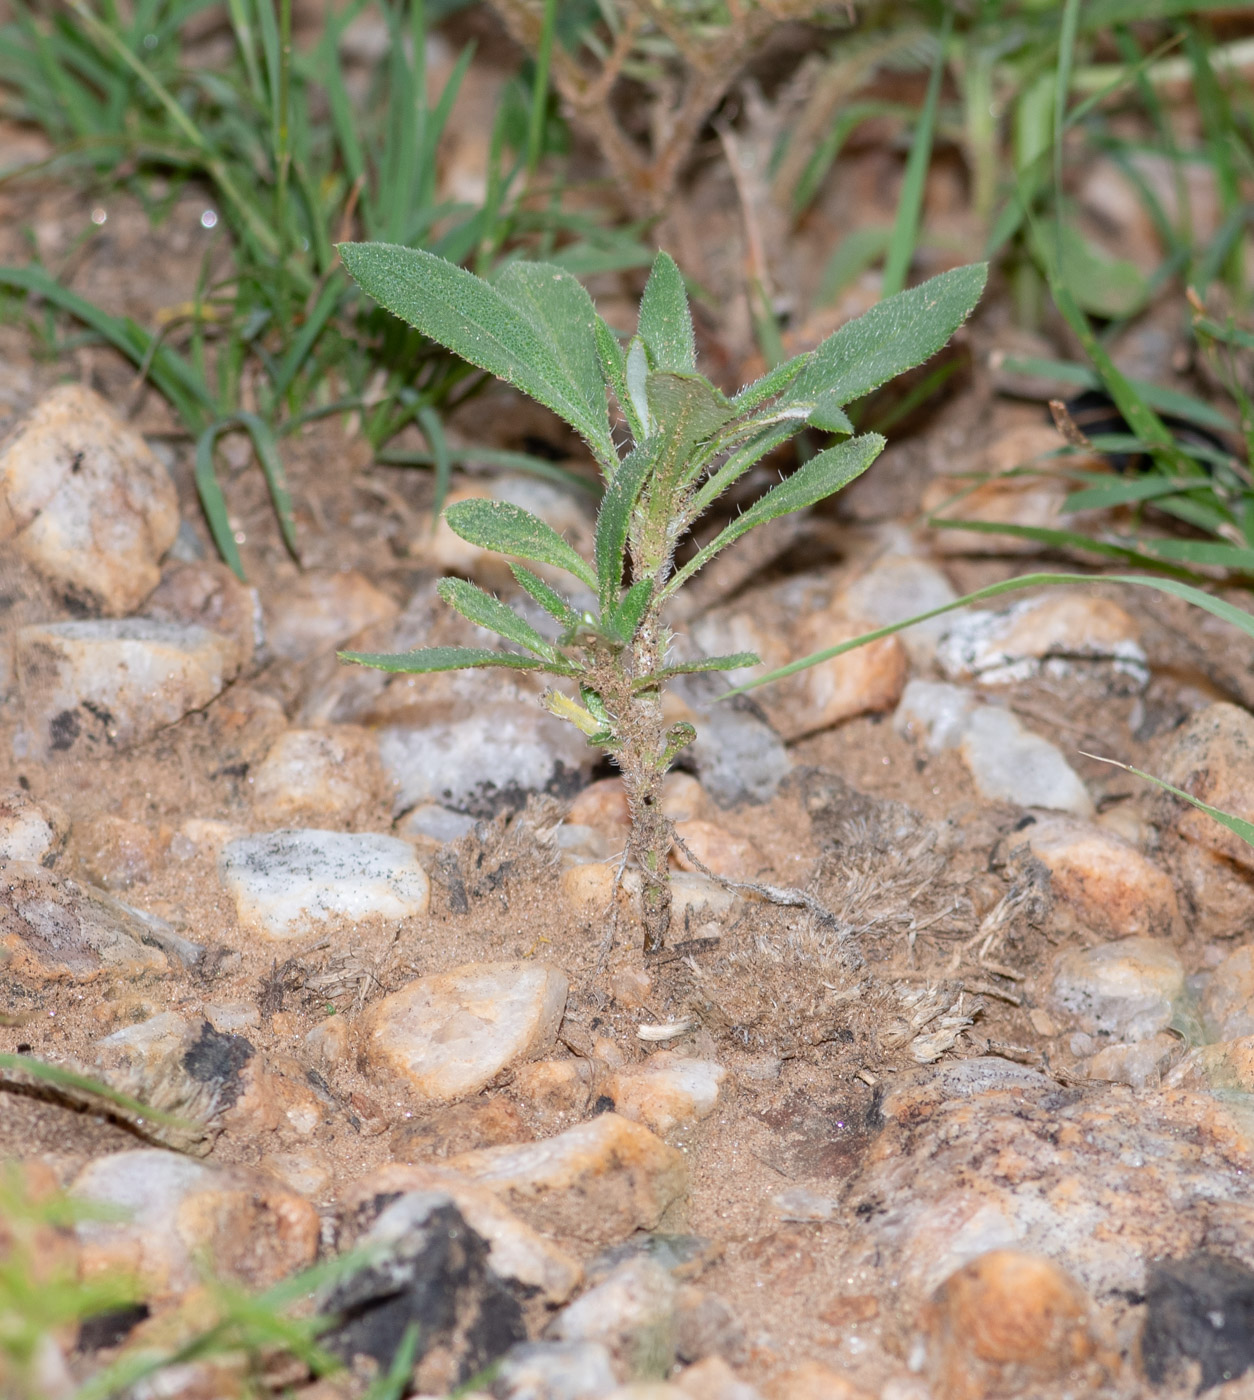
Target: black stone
1200,1310
434,1279
107,1329
215,1058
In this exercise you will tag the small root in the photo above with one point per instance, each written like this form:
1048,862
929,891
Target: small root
775,894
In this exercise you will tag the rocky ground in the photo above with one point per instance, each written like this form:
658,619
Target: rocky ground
972,1120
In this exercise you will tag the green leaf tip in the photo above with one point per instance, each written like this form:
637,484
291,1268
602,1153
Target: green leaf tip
893,336
665,320
510,530
534,330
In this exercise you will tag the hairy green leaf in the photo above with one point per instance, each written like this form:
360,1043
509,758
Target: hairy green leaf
560,306
614,519
509,529
614,369
814,480
549,599
747,455
623,619
893,336
465,314
442,659
686,409
486,611
637,373
665,321
754,395
1217,606
707,663
828,416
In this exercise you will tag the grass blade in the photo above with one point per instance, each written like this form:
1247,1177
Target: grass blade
213,502
1216,606
1237,825
62,1078
905,234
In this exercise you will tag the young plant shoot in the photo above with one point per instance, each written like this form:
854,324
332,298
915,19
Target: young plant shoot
535,327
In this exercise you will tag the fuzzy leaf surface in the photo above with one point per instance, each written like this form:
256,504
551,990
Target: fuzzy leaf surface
707,663
475,320
559,305
486,611
895,335
442,659
754,395
549,599
614,520
665,321
746,456
614,368
508,529
822,476
686,409
624,617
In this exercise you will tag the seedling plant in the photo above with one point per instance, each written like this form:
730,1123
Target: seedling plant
536,327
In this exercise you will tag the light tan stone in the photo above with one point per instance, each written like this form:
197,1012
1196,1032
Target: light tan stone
116,853
555,1086
252,1230
596,1182
1140,1065
30,830
1011,644
666,1091
315,775
1128,989
320,609
1003,1324
86,502
288,883
718,849
307,1171
867,680
459,1127
516,1250
713,1379
1227,1003
1226,1066
1107,884
812,1380
88,688
451,1033
683,798
1212,759
53,930
207,594
1007,500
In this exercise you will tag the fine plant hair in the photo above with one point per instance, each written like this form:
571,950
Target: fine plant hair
535,326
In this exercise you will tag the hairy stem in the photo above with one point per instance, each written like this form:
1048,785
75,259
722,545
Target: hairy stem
642,758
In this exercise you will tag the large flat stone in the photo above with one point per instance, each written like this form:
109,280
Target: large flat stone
597,1181
516,1252
164,1216
452,1033
84,500
287,883
55,930
486,761
89,688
